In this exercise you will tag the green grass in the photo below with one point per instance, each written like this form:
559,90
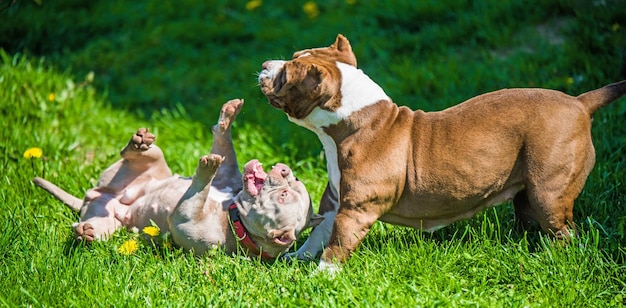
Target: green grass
114,66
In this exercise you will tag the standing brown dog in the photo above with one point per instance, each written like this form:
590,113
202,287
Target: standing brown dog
427,170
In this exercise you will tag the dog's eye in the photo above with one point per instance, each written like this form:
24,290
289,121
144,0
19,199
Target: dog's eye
282,196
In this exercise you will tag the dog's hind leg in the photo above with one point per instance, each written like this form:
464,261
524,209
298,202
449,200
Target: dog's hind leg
555,213
228,175
96,228
138,146
524,214
552,192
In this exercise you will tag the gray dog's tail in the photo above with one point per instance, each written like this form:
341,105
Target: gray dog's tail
63,196
599,98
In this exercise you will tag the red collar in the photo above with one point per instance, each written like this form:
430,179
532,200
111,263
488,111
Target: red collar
242,234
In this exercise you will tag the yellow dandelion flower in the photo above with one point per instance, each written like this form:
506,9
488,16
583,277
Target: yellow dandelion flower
128,248
251,5
33,153
310,9
151,230
51,97
615,27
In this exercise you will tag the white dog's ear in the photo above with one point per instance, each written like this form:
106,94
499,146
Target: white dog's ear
315,220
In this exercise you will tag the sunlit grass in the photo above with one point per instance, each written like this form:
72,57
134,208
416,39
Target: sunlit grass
89,83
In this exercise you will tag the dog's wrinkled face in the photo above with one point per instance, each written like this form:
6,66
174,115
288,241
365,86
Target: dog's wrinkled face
275,206
311,79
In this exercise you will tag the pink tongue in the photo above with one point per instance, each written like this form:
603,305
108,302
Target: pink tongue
254,184
256,178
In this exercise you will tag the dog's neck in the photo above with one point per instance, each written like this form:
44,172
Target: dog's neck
241,233
357,92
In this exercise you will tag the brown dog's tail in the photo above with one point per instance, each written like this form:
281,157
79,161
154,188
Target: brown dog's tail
599,98
63,196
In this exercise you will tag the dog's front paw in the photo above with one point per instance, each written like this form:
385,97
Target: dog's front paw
208,165
84,231
210,162
229,112
326,268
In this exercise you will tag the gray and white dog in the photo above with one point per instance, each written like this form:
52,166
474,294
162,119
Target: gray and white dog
259,213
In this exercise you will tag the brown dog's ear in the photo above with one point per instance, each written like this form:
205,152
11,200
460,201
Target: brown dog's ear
342,45
312,77
315,220
299,73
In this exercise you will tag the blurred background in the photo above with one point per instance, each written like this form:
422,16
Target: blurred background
194,55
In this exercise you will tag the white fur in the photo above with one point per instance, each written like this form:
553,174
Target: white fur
329,268
271,69
357,91
225,194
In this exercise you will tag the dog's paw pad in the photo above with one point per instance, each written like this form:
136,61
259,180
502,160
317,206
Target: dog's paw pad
207,167
142,139
85,232
211,161
229,112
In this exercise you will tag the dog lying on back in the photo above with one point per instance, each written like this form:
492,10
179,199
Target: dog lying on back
218,207
428,169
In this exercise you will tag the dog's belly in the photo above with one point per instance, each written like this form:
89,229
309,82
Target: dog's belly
435,213
158,202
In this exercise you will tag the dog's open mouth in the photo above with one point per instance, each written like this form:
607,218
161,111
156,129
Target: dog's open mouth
283,240
254,177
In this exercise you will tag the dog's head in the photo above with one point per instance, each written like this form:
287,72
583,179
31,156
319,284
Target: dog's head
311,79
275,207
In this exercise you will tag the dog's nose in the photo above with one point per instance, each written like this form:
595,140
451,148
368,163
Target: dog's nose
283,170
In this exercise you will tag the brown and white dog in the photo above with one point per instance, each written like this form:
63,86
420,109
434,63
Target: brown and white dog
267,211
427,170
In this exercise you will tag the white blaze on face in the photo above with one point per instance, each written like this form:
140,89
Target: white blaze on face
272,69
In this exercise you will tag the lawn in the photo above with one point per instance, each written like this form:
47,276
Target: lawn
77,78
